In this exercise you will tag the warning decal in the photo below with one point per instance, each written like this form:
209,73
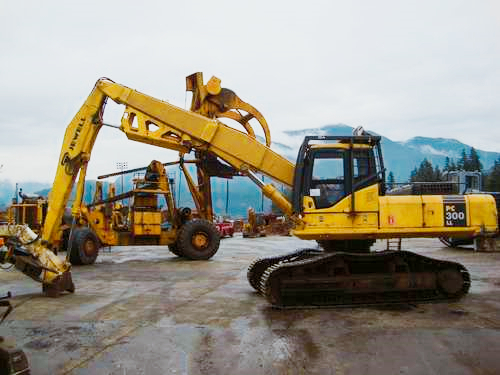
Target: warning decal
455,214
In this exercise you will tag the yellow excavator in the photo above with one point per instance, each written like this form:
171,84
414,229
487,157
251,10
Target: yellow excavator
338,199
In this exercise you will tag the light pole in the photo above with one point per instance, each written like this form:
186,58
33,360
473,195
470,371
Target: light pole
121,165
227,197
262,197
179,187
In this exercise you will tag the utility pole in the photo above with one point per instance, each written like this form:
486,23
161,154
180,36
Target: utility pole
227,197
262,198
171,182
179,187
122,165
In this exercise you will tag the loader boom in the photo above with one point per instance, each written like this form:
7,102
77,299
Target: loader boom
156,122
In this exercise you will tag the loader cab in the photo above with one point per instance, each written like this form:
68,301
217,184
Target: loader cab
330,168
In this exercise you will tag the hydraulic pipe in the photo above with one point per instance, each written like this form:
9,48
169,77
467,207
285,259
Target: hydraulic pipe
271,192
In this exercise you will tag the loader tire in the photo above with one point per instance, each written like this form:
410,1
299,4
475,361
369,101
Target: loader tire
84,247
198,239
174,249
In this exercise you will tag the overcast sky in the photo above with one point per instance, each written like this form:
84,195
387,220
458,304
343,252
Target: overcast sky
399,68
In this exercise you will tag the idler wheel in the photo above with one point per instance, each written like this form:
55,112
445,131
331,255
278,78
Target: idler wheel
450,281
256,270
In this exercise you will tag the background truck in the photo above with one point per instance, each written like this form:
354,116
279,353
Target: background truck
466,182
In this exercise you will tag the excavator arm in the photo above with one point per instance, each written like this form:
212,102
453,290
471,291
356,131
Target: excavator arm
78,142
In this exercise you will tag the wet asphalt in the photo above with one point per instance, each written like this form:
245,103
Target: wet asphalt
142,310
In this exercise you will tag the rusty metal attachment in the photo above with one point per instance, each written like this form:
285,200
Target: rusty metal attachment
24,250
62,283
4,302
264,224
214,101
13,361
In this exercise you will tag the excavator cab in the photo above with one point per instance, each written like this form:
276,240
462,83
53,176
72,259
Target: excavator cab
331,168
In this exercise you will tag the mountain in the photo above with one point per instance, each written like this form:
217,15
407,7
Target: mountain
399,157
440,148
8,190
240,193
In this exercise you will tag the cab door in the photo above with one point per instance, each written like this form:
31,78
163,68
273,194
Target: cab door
325,183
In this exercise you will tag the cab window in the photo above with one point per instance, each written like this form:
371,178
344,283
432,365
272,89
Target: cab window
327,185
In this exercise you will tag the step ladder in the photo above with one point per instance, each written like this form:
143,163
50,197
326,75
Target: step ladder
394,244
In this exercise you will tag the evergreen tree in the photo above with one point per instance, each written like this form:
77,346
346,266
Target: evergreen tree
469,162
437,174
425,173
462,163
474,162
492,181
452,166
446,164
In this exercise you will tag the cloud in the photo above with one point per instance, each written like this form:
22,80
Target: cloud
402,69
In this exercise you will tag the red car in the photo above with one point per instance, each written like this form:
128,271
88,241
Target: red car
225,229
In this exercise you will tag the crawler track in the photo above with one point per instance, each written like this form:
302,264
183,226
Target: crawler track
309,278
260,265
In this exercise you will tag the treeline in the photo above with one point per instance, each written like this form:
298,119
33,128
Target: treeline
426,172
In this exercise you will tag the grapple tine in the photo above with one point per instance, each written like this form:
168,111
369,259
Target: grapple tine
60,284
